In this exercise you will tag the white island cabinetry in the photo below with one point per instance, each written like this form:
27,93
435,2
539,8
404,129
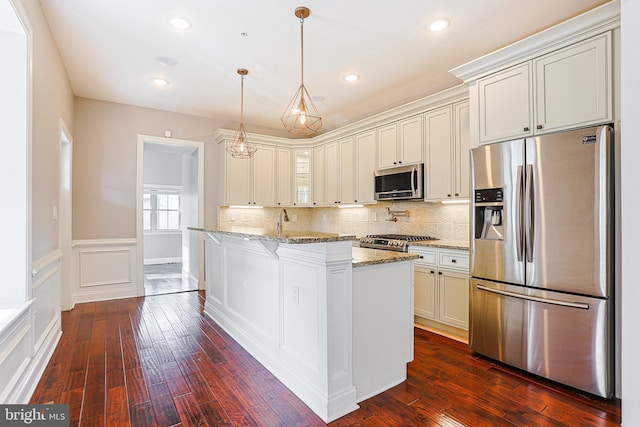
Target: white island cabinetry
301,309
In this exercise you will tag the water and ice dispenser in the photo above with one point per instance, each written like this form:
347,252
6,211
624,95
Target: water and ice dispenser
489,214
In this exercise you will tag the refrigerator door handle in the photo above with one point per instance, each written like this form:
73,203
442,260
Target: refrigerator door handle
529,212
519,202
580,305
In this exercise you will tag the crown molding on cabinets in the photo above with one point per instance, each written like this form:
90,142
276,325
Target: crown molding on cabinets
593,22
448,96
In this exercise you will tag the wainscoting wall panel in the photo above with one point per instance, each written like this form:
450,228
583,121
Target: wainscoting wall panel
30,333
105,269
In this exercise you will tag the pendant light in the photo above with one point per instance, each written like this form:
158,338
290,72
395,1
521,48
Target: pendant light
240,147
301,117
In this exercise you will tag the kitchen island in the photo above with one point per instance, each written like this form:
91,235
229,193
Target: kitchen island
331,322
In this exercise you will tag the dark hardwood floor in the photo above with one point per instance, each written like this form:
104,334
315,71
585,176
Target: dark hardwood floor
159,361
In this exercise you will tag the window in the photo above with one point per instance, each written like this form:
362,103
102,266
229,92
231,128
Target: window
160,210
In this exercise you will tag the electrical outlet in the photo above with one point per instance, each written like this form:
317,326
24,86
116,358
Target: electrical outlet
233,216
295,295
294,217
374,217
324,217
54,213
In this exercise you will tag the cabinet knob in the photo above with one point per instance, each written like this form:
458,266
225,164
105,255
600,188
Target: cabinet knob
314,203
278,203
395,163
355,201
400,162
440,273
448,195
421,256
526,129
294,203
432,272
453,261
539,127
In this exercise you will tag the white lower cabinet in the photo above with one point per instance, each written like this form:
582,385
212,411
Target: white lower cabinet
441,294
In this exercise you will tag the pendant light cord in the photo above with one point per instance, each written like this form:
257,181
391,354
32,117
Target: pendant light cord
301,50
242,100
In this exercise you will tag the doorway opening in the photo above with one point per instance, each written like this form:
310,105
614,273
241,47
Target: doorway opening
170,195
64,215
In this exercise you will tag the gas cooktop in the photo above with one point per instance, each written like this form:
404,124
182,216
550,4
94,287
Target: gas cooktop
392,242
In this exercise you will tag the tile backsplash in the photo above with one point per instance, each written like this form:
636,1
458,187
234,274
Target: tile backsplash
444,221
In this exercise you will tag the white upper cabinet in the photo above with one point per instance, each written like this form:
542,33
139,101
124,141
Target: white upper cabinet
573,85
439,153
319,179
264,176
567,88
366,164
505,104
347,186
302,177
284,178
332,173
400,143
252,181
461,146
447,143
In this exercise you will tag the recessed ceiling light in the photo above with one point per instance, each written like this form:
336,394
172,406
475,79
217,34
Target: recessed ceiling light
318,98
351,77
439,25
159,81
167,60
180,23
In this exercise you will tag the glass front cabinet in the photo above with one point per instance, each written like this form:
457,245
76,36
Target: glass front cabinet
302,178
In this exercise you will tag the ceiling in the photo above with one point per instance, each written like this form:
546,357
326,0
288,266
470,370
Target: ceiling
111,50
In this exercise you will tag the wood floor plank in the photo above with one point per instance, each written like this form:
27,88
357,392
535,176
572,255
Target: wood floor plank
161,361
142,415
189,411
164,409
117,407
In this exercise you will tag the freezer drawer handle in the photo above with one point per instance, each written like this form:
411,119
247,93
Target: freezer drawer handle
581,305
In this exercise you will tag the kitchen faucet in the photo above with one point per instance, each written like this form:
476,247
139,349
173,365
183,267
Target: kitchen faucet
282,217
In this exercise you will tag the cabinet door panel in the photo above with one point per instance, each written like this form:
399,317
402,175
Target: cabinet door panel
505,104
238,180
331,173
439,160
453,295
411,140
387,146
319,179
366,156
264,176
572,85
425,292
302,177
462,145
284,178
347,171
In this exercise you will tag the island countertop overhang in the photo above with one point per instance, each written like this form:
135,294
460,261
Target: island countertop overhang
288,237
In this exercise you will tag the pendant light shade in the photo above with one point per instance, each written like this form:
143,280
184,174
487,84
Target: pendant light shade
301,116
240,147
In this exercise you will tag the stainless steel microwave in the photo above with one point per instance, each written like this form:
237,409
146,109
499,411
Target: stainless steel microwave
399,183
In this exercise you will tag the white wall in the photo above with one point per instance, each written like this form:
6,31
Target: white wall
162,168
104,172
630,173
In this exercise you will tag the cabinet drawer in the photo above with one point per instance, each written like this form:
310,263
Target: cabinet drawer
454,260
427,256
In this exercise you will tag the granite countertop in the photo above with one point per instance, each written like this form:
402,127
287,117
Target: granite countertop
289,237
364,256
462,245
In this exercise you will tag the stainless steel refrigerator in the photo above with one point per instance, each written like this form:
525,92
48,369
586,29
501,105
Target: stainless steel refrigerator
541,292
